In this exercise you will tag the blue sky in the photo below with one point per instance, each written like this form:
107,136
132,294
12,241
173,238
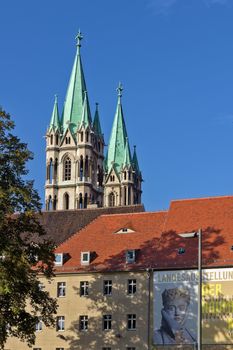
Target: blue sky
175,60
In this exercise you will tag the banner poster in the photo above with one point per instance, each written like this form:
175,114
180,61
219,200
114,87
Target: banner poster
176,306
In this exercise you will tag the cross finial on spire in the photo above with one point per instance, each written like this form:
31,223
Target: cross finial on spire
119,90
79,37
55,97
97,105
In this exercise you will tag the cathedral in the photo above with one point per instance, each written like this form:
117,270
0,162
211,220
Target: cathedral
78,172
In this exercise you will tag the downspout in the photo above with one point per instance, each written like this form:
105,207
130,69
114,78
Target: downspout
148,270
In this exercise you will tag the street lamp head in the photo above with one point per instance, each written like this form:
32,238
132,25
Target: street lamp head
188,234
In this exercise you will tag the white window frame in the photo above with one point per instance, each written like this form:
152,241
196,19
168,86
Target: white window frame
83,323
107,322
131,322
128,253
107,287
132,286
85,261
39,326
61,289
84,286
60,261
60,323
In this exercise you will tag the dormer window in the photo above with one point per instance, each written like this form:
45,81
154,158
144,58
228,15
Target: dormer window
125,230
59,259
85,258
130,256
181,251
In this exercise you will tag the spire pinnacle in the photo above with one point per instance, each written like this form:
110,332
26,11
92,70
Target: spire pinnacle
79,37
119,91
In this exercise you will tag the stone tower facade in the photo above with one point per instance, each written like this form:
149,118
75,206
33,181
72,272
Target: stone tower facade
77,173
122,185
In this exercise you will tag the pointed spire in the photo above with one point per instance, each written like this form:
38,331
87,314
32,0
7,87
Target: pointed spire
86,116
73,106
135,161
116,148
55,121
127,157
96,122
79,37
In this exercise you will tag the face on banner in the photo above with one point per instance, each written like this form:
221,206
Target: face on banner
175,307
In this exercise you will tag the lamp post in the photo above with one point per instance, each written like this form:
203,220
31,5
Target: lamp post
199,304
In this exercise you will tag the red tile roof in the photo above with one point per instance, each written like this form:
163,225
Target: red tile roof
156,238
109,247
214,216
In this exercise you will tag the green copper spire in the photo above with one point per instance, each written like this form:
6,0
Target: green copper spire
73,105
127,157
55,121
86,115
135,161
116,148
96,122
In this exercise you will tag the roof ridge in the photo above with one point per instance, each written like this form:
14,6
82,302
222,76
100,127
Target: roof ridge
142,212
201,198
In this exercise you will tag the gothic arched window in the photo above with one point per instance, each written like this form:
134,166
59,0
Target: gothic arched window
81,168
85,200
66,201
55,169
57,139
50,203
111,198
51,139
67,169
86,166
50,170
80,204
55,203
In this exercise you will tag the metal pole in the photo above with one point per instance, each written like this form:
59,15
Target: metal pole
199,319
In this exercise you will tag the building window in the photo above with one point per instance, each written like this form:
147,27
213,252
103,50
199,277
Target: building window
60,323
66,201
85,258
83,323
67,169
50,170
67,140
131,322
36,348
132,286
108,287
55,203
60,349
51,139
58,259
39,326
61,289
130,256
106,348
84,288
130,348
112,200
107,322
57,139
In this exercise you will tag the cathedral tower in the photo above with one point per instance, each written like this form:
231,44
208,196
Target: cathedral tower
74,148
122,185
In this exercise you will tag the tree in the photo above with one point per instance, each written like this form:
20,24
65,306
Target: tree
25,254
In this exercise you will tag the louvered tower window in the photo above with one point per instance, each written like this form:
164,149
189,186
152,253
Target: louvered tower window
67,169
